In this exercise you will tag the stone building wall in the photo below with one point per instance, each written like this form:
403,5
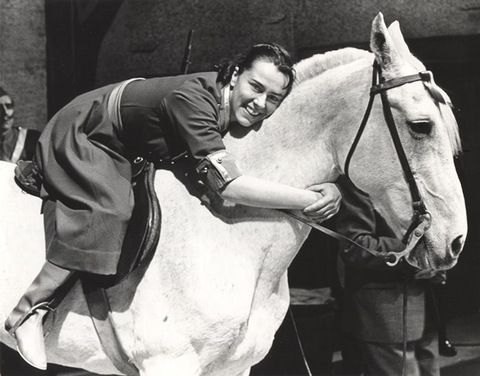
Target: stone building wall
148,37
23,59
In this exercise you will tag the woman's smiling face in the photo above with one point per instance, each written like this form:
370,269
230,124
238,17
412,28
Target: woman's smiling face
256,93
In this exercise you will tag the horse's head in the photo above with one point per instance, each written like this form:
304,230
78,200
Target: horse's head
428,133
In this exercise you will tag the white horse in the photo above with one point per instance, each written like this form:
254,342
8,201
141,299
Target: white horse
216,291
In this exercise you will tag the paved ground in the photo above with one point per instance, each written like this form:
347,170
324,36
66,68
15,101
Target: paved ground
463,332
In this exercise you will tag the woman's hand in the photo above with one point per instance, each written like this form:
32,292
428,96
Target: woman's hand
327,206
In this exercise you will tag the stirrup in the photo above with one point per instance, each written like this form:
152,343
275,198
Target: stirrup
31,345
45,306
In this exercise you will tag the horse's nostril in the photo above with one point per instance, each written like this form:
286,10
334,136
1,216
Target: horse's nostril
457,245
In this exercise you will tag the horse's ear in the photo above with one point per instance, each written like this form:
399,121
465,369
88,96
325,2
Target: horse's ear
382,45
401,46
398,40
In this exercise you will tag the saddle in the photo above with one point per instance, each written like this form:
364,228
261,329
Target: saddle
143,231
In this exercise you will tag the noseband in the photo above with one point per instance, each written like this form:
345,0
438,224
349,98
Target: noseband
421,217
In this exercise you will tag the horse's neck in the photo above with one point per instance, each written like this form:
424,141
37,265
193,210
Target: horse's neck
345,107
307,139
275,150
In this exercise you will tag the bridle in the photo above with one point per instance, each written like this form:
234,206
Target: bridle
421,218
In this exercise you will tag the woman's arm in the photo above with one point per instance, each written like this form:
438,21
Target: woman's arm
320,202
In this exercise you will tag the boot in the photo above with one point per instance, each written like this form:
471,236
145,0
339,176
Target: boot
25,323
446,348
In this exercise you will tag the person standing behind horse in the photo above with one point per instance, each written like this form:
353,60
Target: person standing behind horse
16,143
83,160
377,298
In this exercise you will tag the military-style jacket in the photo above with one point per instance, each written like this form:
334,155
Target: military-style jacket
83,156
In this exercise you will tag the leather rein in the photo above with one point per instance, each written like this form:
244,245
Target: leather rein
421,218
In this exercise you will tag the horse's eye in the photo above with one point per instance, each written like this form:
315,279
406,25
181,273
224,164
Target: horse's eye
420,126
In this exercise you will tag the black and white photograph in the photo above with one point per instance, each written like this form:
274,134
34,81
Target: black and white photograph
239,188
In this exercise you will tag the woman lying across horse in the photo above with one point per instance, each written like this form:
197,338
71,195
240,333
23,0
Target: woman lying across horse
83,160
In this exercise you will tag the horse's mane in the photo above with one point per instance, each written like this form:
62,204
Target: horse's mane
319,63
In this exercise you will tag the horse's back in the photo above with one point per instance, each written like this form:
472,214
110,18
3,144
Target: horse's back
21,224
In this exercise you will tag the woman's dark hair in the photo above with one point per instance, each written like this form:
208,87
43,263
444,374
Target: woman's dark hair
269,52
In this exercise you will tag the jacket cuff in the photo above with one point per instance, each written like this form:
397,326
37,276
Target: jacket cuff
218,169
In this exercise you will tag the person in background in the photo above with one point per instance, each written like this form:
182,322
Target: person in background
378,298
83,159
16,143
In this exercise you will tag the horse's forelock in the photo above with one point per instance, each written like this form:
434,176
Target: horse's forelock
450,122
317,64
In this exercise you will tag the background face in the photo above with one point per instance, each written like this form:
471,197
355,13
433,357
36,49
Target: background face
6,112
